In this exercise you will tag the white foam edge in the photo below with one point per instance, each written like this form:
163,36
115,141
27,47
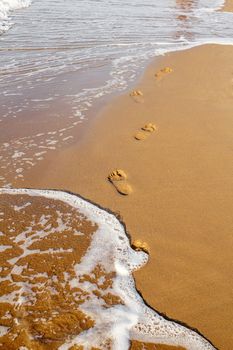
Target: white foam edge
8,6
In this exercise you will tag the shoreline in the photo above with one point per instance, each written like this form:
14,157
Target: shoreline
181,182
88,218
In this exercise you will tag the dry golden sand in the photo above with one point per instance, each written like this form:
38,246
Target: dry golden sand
228,6
181,177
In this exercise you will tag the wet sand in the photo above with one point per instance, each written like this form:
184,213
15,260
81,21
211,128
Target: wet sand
181,178
41,242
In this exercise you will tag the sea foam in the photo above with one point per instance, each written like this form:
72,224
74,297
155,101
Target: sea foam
6,7
116,323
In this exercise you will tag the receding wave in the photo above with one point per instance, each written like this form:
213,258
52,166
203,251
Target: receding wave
6,7
66,279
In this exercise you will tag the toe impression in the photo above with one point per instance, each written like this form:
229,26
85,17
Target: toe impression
119,180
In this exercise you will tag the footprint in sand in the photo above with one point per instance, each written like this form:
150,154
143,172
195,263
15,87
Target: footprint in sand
139,245
119,180
145,131
162,72
137,96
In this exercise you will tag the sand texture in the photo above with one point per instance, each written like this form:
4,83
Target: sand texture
181,175
228,6
66,279
40,243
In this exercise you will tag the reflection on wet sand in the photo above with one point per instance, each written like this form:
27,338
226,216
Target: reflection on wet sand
185,19
186,5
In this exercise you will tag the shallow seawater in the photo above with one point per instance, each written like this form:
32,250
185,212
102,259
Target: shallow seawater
66,279
60,59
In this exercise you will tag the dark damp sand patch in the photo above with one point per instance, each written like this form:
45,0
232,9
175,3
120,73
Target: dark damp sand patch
45,313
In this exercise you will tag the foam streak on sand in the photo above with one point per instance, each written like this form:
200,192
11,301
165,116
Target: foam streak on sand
107,265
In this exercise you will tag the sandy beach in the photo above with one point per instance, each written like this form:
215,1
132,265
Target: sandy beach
180,175
228,6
